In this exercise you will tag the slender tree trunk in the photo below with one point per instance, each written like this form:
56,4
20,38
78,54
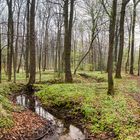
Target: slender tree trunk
10,39
116,42
68,21
133,40
20,59
56,51
45,48
59,53
15,55
32,44
27,40
129,46
100,56
111,45
121,33
22,50
139,63
0,57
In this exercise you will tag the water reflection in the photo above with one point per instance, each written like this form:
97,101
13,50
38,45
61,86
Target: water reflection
62,133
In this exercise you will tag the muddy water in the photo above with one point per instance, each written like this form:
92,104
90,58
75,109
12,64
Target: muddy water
62,132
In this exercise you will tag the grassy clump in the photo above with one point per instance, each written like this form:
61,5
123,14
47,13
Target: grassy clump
5,112
5,116
7,88
98,76
6,107
102,113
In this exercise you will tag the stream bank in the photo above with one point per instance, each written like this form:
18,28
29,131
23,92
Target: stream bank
62,129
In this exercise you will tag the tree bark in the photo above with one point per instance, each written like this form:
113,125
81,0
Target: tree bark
139,63
111,45
68,22
10,39
32,44
116,42
129,46
121,33
133,39
27,40
0,57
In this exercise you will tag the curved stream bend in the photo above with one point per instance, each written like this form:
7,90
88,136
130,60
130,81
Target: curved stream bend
61,132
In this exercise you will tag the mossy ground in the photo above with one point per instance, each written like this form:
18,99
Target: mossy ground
87,96
6,106
101,113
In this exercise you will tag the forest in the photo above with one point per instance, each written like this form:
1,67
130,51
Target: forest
69,69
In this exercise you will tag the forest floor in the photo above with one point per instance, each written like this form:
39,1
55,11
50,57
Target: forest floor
85,103
17,122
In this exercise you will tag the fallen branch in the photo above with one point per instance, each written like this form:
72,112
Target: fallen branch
93,38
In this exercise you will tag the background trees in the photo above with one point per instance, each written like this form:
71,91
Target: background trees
65,36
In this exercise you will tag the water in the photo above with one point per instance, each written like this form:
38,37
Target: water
61,131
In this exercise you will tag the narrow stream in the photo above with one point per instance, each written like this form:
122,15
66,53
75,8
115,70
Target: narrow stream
61,131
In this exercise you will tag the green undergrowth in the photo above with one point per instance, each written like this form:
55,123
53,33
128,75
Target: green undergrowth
7,88
101,113
97,76
6,107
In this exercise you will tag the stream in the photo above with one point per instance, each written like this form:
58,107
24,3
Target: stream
62,131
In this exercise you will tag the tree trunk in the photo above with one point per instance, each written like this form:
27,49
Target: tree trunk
20,59
121,33
116,42
133,40
139,63
10,40
15,55
111,44
0,57
27,40
129,46
68,22
45,48
32,44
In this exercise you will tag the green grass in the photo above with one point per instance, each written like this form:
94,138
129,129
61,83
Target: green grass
6,106
21,77
102,113
101,77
